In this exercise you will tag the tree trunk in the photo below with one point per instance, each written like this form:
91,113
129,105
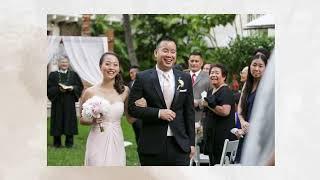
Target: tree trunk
110,36
85,28
129,40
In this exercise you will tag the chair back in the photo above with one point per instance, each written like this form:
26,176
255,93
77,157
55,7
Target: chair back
231,148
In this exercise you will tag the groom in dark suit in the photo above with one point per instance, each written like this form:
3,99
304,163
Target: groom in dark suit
168,133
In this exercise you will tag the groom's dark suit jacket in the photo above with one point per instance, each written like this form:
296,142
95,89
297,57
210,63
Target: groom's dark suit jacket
154,130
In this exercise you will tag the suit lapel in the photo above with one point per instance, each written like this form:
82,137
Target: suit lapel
176,91
157,86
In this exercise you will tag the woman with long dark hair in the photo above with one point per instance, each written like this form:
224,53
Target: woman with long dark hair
106,148
256,69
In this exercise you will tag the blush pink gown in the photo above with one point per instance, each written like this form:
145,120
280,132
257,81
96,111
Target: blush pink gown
107,148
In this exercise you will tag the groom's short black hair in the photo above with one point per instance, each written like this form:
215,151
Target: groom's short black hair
164,38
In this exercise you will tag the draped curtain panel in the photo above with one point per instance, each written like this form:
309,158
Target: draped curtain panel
53,47
83,52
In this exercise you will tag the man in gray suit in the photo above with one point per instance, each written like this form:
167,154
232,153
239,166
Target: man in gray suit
200,81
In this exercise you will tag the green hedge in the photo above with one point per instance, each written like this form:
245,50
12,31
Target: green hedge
239,52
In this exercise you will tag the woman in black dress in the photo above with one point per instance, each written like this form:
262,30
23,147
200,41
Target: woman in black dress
220,111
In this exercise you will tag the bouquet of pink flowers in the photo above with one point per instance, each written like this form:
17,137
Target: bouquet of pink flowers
95,107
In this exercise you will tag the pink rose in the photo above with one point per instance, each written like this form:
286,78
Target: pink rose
96,110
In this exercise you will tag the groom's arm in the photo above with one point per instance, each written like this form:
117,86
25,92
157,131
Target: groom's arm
188,110
145,113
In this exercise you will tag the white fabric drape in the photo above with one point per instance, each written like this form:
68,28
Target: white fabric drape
83,52
260,143
53,47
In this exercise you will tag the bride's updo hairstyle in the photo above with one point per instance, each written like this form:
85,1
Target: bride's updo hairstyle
118,82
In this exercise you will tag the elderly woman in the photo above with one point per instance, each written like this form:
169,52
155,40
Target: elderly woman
220,112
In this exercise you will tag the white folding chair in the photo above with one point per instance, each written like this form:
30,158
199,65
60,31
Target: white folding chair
229,147
195,159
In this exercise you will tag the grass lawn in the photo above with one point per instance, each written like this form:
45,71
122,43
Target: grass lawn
75,156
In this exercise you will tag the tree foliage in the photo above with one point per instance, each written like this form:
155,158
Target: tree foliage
191,32
99,25
98,28
237,55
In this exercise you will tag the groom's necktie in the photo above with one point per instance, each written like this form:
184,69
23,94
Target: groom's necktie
167,90
168,95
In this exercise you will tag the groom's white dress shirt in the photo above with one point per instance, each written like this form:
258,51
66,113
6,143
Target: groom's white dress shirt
172,87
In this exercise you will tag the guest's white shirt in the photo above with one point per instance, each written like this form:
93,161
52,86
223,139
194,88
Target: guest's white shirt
63,71
197,73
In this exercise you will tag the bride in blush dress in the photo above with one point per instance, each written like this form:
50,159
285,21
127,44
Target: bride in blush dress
107,148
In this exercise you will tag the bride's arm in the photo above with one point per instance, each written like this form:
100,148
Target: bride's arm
85,96
130,119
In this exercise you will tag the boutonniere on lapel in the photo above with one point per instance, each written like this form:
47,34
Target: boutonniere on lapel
181,84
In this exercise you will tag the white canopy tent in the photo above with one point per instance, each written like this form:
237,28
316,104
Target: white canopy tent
263,22
83,53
